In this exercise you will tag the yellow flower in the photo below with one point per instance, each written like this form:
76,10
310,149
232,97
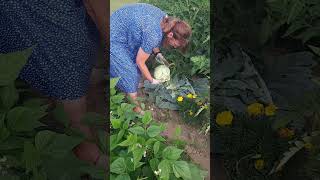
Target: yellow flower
199,103
270,110
194,96
308,146
189,95
255,109
224,118
286,133
259,164
180,99
190,112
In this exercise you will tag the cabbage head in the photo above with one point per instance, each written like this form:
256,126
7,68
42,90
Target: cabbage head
162,73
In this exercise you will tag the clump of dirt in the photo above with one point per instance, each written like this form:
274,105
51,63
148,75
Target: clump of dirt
197,143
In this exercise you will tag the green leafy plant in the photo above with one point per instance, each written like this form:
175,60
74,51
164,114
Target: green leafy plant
236,81
137,148
201,65
300,18
29,149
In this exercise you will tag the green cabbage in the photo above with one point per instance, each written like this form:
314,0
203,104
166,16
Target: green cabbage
162,73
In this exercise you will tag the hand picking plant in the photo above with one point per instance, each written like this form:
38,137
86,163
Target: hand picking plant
137,148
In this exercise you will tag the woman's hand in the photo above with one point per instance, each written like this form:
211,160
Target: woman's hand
155,81
141,62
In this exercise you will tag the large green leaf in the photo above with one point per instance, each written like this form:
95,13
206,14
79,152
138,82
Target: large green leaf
113,141
120,134
295,10
68,167
8,96
54,144
165,168
154,130
103,137
171,153
95,172
4,133
308,34
147,117
31,156
181,169
9,177
113,82
24,119
137,156
43,139
131,139
11,143
156,147
92,118
315,49
116,123
118,166
196,173
123,177
60,115
294,27
11,65
154,164
137,130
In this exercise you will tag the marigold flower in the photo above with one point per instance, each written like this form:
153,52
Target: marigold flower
255,109
199,103
190,112
189,95
224,118
270,110
180,99
259,164
286,133
308,146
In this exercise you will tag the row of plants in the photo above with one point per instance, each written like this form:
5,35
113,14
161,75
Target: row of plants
31,148
138,148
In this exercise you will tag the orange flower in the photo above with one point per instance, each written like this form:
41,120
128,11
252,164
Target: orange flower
286,133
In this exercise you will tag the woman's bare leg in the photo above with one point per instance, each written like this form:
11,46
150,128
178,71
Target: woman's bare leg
76,110
133,97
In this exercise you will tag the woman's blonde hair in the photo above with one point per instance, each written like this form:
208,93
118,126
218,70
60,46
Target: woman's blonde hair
181,30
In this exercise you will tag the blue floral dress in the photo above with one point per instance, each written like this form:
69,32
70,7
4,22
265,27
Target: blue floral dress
131,27
65,41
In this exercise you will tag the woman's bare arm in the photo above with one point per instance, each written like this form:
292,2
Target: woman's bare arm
97,9
141,59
